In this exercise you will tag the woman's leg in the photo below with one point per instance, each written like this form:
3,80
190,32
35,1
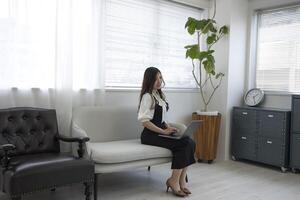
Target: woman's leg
174,179
182,182
183,155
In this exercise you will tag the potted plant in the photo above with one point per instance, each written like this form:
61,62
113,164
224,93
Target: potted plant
202,55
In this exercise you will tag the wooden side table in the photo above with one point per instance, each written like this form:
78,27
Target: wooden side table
206,137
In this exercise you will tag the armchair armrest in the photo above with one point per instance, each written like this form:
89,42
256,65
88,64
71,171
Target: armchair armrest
72,139
6,148
80,141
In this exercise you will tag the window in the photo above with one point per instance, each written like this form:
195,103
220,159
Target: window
27,43
139,34
47,44
278,50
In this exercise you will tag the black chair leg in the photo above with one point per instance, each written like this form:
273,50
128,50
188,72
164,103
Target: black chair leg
87,191
95,187
149,167
186,179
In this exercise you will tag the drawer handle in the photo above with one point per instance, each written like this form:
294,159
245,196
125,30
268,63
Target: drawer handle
244,113
270,116
244,138
269,142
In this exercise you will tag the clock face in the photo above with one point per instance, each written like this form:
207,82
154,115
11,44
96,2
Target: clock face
253,97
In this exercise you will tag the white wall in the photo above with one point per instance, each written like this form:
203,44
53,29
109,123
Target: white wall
230,59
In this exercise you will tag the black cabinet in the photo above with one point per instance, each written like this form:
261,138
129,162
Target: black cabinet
295,152
261,134
295,134
296,114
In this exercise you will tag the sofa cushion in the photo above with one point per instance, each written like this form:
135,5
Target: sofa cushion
125,151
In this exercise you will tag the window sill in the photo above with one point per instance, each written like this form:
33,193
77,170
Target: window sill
279,93
168,90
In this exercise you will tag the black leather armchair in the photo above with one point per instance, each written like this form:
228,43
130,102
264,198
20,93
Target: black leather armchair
30,154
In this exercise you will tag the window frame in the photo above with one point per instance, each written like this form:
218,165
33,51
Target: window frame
253,44
205,14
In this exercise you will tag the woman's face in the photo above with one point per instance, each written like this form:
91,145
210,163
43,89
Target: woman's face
158,81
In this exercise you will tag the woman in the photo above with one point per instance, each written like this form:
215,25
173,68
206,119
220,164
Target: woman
152,114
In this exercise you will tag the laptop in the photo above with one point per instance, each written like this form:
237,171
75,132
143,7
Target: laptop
192,127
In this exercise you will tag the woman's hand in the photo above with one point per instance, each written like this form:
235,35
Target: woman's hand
170,130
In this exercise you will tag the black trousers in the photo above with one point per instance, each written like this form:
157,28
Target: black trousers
183,149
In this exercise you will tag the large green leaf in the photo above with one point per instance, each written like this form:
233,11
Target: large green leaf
200,24
192,28
193,52
209,67
189,21
224,30
220,74
209,25
207,55
202,55
213,29
189,46
211,39
191,25
210,58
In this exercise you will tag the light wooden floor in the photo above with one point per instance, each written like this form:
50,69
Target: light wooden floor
227,180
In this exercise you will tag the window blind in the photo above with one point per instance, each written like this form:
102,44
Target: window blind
140,34
278,50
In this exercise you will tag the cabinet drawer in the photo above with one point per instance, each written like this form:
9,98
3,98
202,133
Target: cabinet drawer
295,150
271,124
244,147
296,115
244,122
271,151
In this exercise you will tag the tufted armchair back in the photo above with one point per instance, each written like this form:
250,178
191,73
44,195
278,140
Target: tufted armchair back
31,130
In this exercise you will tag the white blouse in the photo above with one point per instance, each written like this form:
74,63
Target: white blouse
146,111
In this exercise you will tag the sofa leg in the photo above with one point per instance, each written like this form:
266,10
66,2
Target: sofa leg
186,179
87,191
95,187
149,167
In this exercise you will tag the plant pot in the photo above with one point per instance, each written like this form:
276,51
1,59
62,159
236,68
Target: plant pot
206,137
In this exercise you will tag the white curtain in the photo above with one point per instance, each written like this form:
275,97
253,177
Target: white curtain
50,55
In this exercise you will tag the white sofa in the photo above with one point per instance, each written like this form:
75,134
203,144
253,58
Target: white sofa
114,134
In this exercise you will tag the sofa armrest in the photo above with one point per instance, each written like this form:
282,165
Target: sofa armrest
177,125
78,132
80,142
6,148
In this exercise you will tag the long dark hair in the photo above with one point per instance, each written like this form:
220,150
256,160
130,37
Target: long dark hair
148,83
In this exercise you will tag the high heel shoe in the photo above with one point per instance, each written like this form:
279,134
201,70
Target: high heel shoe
185,190
178,193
